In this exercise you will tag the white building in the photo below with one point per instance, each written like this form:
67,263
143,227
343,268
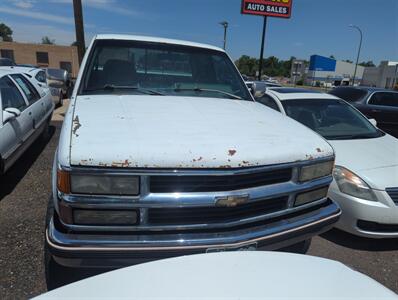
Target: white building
383,76
328,71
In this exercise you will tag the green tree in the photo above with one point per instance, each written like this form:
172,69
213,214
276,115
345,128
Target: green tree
5,32
247,65
367,64
46,40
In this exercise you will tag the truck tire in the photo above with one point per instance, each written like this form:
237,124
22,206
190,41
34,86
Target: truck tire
56,275
300,248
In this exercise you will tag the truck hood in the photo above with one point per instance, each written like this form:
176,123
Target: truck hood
185,132
374,160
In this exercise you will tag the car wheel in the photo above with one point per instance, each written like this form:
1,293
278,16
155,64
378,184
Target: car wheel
300,248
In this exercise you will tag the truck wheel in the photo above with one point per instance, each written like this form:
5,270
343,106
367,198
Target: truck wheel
56,275
300,248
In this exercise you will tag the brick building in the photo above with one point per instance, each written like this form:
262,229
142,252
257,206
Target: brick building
42,55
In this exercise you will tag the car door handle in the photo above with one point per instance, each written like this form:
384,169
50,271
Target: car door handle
376,110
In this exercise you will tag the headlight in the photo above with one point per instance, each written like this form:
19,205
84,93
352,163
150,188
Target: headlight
353,185
315,171
104,185
311,196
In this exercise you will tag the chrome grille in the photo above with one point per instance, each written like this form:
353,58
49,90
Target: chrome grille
211,215
214,183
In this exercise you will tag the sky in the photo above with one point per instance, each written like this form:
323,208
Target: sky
316,26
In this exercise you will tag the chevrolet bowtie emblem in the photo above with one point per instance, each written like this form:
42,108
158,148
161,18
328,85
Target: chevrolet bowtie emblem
231,201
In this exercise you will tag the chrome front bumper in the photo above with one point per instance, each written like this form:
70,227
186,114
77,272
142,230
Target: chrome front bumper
121,249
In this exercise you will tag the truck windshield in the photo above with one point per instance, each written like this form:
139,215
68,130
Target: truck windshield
333,119
130,67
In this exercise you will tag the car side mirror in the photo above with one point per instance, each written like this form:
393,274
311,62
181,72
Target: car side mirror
10,113
373,121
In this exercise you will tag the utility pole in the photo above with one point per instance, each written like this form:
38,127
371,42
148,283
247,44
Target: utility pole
359,52
79,27
260,67
225,25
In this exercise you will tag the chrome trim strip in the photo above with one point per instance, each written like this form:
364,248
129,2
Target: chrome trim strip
150,245
143,226
147,199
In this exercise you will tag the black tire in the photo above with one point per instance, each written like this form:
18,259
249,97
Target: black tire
56,275
300,248
45,135
61,99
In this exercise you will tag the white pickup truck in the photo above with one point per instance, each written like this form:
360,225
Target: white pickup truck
164,152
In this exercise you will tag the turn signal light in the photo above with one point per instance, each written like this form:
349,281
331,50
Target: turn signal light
63,181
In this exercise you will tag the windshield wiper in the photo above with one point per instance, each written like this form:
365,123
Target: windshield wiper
111,87
351,137
197,89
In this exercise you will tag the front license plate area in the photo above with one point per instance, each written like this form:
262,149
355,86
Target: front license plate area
249,247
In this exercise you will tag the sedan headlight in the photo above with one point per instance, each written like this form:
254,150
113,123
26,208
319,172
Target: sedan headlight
315,171
104,185
352,185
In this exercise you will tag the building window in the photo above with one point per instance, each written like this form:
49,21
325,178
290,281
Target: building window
66,65
42,58
7,54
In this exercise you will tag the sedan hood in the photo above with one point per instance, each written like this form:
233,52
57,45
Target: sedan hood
185,132
229,275
374,160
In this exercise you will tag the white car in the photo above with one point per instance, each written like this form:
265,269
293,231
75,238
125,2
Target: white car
366,174
229,275
26,113
40,76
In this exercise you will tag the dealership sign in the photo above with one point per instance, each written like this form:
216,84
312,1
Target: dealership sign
272,8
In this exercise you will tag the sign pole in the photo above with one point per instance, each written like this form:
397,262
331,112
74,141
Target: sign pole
260,67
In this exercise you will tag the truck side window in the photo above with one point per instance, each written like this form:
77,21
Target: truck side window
10,95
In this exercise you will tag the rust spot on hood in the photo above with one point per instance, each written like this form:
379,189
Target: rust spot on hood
76,125
225,167
122,164
231,152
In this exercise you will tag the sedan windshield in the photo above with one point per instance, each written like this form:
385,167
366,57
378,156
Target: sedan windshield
333,119
130,67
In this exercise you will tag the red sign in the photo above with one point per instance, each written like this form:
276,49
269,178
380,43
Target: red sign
272,8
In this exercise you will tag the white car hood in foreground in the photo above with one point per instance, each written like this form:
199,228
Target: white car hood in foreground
230,275
374,160
185,132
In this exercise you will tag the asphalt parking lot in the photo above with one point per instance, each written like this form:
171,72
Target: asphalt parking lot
24,193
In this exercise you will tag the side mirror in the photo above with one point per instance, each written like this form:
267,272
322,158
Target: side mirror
373,121
10,113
